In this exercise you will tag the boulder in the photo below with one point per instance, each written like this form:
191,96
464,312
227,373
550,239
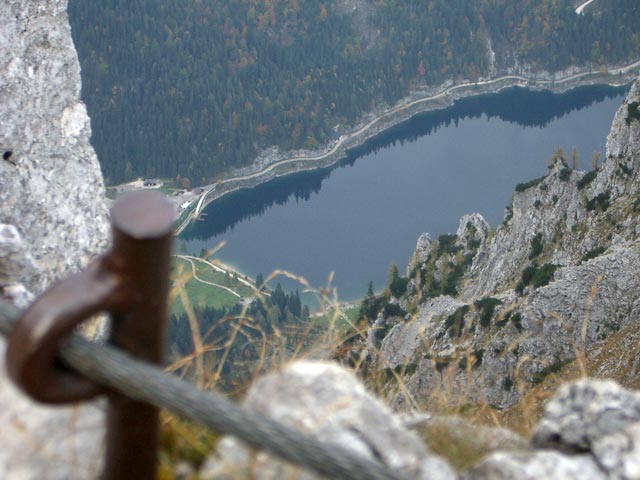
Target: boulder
326,401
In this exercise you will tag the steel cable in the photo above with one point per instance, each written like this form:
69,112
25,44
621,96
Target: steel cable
143,382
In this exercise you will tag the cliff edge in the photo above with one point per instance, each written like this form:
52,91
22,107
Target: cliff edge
489,313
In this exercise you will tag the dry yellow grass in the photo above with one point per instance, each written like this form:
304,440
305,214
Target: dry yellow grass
346,341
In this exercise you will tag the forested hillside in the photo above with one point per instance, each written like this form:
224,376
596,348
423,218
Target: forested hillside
245,341
196,87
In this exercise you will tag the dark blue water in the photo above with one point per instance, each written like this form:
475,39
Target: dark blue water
357,217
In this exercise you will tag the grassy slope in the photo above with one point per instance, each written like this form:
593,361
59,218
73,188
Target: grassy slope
201,294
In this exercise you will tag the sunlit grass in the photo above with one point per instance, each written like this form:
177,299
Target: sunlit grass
206,287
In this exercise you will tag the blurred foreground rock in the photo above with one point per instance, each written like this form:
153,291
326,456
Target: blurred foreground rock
53,220
327,401
590,430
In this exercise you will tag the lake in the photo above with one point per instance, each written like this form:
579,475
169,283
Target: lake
362,214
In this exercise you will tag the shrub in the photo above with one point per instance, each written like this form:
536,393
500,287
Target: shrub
593,253
473,243
381,332
471,229
553,368
456,320
486,306
508,214
537,246
536,276
468,259
521,187
442,363
516,319
544,274
587,179
632,112
398,286
451,285
393,310
504,321
446,244
600,202
525,278
462,363
408,369
564,174
478,354
624,169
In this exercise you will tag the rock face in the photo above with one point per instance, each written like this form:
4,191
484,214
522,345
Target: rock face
326,401
53,220
51,187
493,312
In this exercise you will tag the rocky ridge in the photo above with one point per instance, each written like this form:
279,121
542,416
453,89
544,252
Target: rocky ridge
499,310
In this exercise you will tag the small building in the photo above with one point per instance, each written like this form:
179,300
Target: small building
151,182
185,205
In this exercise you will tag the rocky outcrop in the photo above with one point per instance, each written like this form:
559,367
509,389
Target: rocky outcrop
405,345
590,429
51,185
53,220
557,277
328,402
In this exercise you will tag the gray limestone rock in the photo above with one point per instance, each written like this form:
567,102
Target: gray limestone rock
39,442
471,228
624,138
581,306
582,413
325,400
53,220
51,187
407,341
16,264
545,209
539,465
590,429
15,260
424,246
619,453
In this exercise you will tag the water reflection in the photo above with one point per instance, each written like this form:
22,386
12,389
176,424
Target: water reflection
514,105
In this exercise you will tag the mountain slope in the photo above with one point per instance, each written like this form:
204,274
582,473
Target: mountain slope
554,280
198,88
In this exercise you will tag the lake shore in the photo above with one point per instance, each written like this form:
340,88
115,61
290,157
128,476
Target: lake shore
273,164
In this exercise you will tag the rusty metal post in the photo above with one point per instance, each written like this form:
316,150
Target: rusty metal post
130,282
142,237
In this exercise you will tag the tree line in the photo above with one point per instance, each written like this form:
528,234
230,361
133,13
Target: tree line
235,338
198,87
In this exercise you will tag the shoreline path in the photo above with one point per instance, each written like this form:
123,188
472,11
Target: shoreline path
195,213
